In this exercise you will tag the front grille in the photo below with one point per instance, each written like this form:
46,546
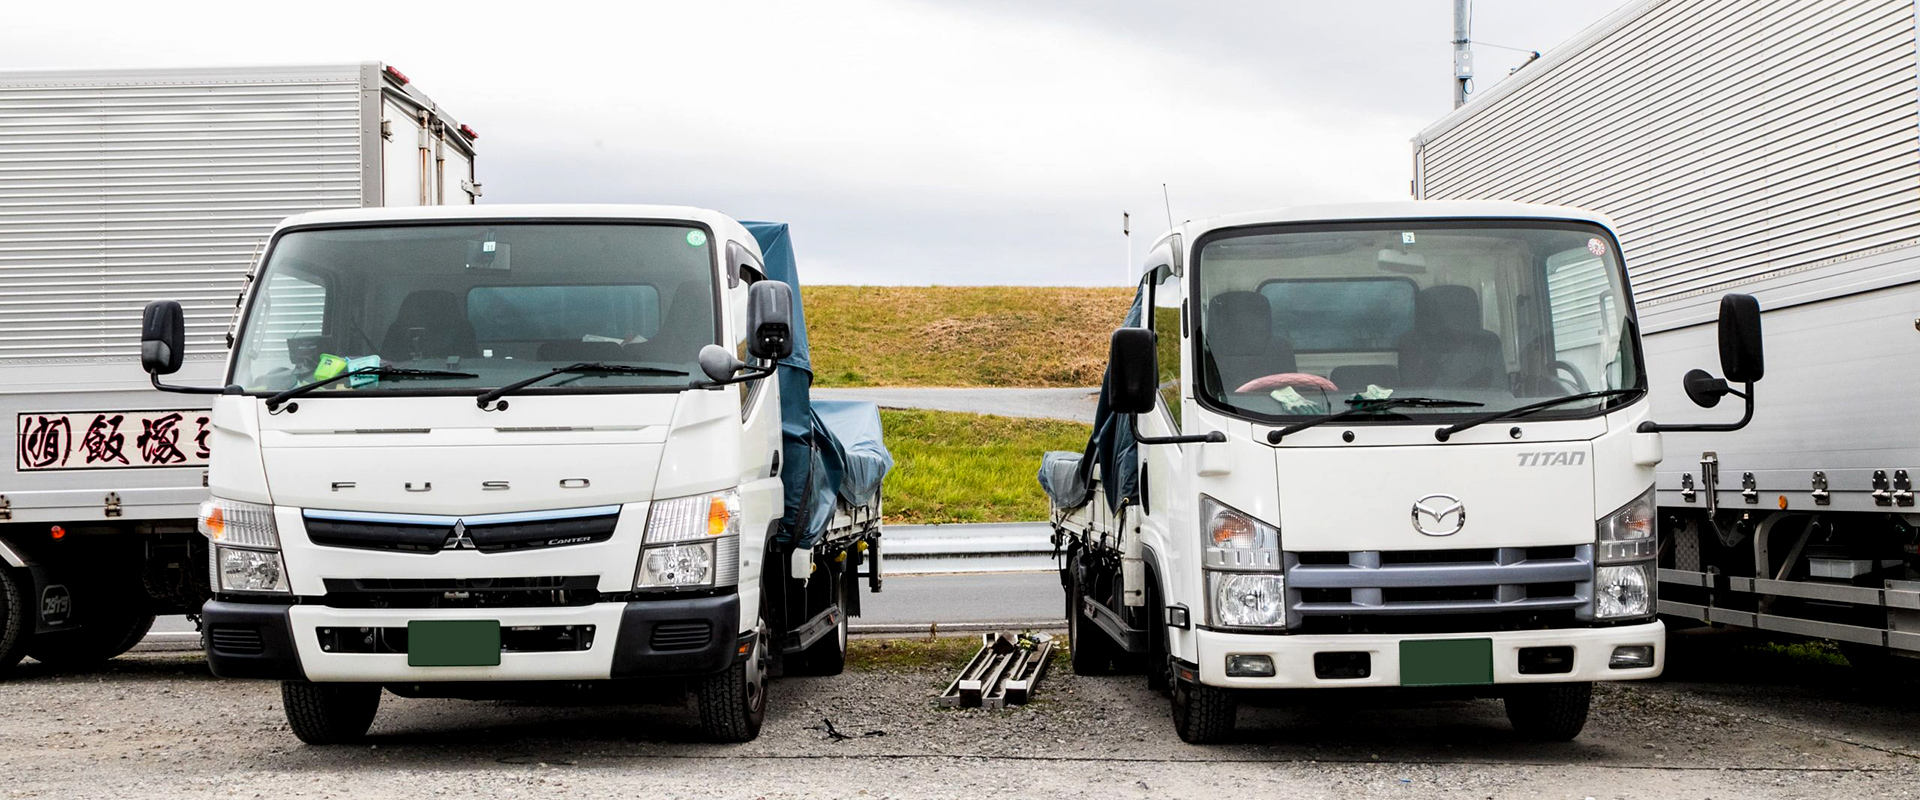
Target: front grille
530,592
240,640
1522,583
681,635
487,533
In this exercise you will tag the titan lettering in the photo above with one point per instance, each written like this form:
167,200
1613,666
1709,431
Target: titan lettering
1565,458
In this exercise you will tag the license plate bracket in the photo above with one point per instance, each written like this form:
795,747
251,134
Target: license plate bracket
1446,662
453,643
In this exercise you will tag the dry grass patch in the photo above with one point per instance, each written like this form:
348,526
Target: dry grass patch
961,335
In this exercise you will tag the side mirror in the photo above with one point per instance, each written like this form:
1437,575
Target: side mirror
769,322
1741,357
163,337
1133,371
718,364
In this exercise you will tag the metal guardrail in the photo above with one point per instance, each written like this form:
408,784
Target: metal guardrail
989,547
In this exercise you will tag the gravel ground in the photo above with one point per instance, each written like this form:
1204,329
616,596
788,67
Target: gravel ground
155,725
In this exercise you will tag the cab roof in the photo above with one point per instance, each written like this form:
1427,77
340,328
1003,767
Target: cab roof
722,225
1394,210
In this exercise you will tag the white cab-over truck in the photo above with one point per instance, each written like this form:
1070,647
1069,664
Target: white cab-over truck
463,451
1387,445
118,187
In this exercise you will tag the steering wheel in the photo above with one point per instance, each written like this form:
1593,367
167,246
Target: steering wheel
1579,382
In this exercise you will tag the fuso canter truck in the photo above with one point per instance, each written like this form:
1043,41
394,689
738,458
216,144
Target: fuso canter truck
1402,444
461,451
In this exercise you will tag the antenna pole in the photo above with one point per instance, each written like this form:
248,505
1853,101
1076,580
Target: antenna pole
1126,230
1462,50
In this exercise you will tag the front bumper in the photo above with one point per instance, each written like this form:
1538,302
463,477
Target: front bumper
254,640
1293,656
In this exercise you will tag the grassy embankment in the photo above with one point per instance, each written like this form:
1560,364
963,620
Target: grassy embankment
952,467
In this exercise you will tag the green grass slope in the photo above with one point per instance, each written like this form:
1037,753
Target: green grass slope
961,335
954,467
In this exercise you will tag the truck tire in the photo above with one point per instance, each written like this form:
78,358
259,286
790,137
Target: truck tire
16,619
330,713
829,655
733,703
100,638
1549,712
1089,648
1203,714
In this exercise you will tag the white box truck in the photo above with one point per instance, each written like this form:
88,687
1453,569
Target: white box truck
1387,445
475,451
118,187
1766,148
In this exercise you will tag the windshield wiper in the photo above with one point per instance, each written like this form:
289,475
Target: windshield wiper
1363,406
1447,432
274,402
486,400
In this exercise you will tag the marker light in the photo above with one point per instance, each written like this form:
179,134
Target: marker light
398,76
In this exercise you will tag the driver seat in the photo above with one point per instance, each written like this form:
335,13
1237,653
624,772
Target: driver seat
429,324
1447,348
1239,339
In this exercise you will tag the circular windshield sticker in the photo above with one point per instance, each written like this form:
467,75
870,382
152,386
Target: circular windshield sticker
1594,245
697,238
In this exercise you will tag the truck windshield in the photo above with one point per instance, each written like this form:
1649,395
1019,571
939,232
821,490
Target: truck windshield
483,305
1294,322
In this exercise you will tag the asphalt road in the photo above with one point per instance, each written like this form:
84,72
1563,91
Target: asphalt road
1069,404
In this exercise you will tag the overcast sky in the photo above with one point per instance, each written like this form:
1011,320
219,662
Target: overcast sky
976,142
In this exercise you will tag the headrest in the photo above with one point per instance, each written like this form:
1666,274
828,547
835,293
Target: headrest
1447,308
1239,323
429,303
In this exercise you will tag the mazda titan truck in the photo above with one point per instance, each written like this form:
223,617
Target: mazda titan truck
1389,445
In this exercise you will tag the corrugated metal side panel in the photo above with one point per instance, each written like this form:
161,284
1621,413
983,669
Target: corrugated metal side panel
116,194
1730,139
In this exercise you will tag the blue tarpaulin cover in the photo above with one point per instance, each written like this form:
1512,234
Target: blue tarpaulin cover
832,448
1067,477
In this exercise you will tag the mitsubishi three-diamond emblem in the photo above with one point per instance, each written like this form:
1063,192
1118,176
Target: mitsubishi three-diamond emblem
457,540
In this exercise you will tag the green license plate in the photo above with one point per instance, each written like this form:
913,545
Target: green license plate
453,643
1446,662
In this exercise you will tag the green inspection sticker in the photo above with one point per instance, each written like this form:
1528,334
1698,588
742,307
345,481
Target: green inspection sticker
696,238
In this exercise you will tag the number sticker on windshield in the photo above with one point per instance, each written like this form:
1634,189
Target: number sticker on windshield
696,238
1597,246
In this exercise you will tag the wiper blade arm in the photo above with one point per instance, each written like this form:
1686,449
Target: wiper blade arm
1362,406
274,402
1447,432
486,401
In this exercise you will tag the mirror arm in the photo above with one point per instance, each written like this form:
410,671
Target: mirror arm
1210,437
747,373
1747,395
155,378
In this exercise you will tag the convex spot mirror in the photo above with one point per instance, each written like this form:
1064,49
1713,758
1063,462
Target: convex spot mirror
719,365
769,321
163,337
1133,371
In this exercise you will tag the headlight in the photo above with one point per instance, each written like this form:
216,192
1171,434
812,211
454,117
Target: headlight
238,524
1243,600
691,542
676,566
1627,534
1623,591
250,570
